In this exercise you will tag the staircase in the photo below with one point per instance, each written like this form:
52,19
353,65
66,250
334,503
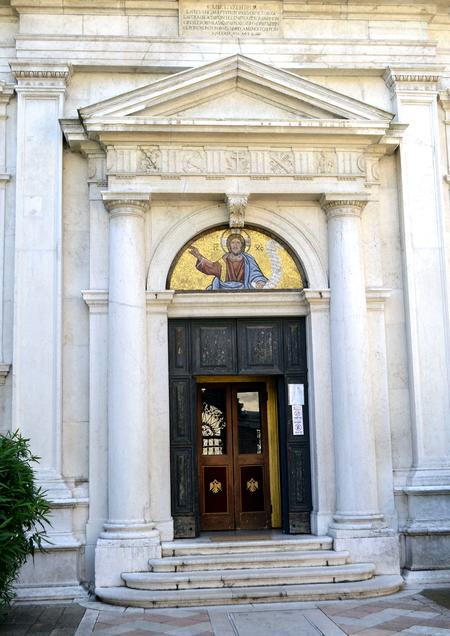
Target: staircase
203,572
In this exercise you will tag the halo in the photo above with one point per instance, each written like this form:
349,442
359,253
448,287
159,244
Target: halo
237,230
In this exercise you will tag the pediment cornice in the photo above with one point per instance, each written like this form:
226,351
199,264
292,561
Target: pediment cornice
164,99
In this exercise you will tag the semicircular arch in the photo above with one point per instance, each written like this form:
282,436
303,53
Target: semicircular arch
299,242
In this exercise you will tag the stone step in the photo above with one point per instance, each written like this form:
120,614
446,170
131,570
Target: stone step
248,577
184,547
376,586
304,558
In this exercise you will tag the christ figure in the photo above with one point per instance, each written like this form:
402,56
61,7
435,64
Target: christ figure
235,270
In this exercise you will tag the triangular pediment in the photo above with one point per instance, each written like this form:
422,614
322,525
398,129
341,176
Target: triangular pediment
236,88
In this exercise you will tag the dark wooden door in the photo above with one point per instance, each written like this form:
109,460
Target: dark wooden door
233,456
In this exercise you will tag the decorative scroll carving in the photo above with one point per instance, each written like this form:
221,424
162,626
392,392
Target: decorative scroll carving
236,204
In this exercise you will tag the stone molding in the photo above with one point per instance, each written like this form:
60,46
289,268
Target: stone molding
4,371
377,298
6,92
96,300
126,203
236,205
401,80
39,76
158,302
335,205
317,299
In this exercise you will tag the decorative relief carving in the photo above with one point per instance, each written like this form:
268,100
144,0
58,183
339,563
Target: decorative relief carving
236,204
326,163
150,160
213,162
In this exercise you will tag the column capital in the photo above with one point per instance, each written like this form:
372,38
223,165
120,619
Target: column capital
343,204
236,205
31,76
405,80
126,203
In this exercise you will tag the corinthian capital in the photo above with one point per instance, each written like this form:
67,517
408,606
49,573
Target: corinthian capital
126,203
236,204
343,204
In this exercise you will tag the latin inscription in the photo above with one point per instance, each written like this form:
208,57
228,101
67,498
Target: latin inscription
230,19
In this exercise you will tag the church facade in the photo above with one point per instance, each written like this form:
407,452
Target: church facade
224,278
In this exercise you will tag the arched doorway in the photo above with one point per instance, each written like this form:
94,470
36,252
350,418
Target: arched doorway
232,450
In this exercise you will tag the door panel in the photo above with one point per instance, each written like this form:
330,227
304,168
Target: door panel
233,457
215,458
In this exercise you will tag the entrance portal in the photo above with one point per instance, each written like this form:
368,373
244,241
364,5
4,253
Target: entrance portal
233,456
220,469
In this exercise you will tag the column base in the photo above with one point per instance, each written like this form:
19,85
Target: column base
379,546
124,549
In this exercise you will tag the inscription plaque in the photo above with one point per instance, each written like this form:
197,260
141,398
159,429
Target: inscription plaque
230,19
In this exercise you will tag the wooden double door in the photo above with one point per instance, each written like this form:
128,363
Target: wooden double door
233,456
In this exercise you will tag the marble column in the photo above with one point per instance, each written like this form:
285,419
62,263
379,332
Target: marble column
6,91
426,283
357,524
129,539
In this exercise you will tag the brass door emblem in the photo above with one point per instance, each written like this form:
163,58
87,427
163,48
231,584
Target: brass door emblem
215,487
252,485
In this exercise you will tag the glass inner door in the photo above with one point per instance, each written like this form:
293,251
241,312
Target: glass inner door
233,456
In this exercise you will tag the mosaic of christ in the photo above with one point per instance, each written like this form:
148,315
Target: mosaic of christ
238,259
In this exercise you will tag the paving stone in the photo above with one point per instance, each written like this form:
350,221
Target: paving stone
439,596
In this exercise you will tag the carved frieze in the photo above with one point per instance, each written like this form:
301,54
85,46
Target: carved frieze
211,161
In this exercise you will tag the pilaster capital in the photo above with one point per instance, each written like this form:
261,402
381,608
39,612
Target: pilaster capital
236,205
96,300
6,92
406,80
126,203
444,100
343,204
32,76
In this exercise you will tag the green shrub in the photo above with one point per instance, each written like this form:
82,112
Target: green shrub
23,511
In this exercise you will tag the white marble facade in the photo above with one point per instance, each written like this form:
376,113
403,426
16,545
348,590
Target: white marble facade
122,132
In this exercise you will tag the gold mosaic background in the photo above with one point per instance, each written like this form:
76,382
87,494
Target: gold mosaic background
273,259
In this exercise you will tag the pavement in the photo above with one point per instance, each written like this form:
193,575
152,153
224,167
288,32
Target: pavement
411,612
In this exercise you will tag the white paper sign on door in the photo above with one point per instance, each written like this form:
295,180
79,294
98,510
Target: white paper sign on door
296,394
297,420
